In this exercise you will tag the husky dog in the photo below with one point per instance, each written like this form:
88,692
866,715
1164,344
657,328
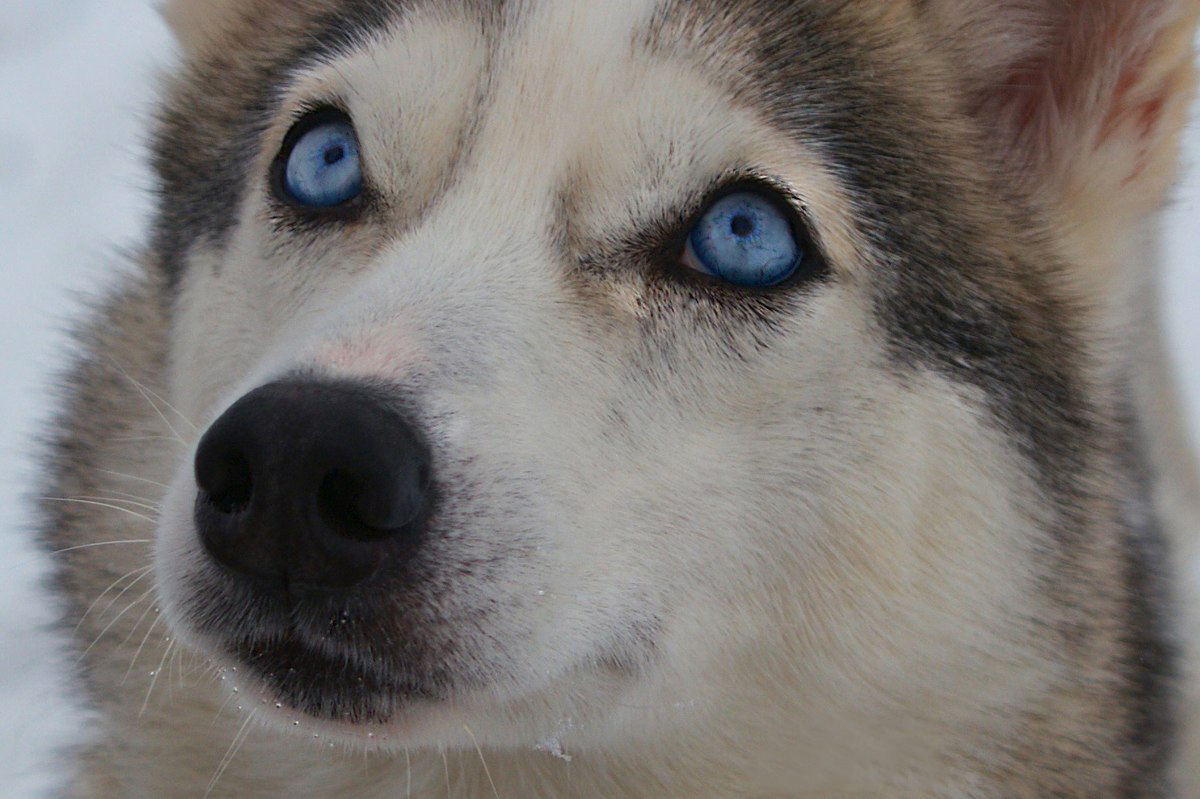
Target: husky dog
641,398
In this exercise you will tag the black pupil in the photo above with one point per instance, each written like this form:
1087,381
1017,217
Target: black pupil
334,154
741,225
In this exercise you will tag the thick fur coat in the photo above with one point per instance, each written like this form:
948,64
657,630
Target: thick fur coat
905,528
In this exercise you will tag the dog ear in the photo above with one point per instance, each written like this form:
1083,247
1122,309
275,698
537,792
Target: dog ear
201,24
1085,99
197,22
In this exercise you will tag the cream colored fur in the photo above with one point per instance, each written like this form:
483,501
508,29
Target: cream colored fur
832,592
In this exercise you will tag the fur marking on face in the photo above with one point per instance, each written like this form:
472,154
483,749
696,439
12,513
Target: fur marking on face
722,398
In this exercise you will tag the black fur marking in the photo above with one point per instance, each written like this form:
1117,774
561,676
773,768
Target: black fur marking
1151,668
211,129
949,297
952,297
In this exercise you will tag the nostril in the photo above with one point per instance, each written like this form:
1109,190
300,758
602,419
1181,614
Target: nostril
227,481
340,503
365,508
309,483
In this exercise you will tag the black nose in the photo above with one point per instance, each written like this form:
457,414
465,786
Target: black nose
309,484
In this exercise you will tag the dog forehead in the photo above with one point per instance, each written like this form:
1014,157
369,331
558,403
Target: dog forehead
557,88
228,89
205,23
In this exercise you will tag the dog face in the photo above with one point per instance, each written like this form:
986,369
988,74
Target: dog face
506,424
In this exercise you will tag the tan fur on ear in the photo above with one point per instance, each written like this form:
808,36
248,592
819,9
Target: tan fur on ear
1086,99
1055,79
201,25
196,22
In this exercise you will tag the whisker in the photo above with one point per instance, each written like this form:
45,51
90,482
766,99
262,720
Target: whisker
228,699
146,396
408,773
487,771
165,402
111,586
138,502
184,665
137,439
133,477
162,416
99,544
142,645
97,503
236,744
138,497
145,571
176,670
137,624
195,427
154,678
446,768
116,619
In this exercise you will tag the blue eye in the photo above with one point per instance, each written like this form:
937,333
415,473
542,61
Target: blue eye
322,169
744,239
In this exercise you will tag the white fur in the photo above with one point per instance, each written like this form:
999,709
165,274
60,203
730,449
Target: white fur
742,530
832,588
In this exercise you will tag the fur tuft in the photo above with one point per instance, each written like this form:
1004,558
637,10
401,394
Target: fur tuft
1086,99
201,24
197,21
886,529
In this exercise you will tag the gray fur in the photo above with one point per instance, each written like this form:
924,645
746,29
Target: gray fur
967,281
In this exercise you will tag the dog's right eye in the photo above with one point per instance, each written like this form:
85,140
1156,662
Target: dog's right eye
319,166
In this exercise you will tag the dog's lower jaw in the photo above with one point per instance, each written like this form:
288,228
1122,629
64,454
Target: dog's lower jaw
246,757
703,746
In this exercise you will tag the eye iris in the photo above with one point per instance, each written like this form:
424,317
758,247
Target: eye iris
323,169
745,239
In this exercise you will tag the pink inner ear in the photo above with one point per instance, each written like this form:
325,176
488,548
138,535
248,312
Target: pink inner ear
1127,102
1082,84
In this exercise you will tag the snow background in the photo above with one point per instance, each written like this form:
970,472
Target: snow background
76,81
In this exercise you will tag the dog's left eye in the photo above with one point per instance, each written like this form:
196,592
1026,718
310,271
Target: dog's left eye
746,239
319,166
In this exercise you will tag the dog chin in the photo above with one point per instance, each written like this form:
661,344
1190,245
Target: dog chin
319,690
327,687
289,681
303,692
280,668
300,689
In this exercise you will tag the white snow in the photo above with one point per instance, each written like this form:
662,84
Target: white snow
75,81
76,78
